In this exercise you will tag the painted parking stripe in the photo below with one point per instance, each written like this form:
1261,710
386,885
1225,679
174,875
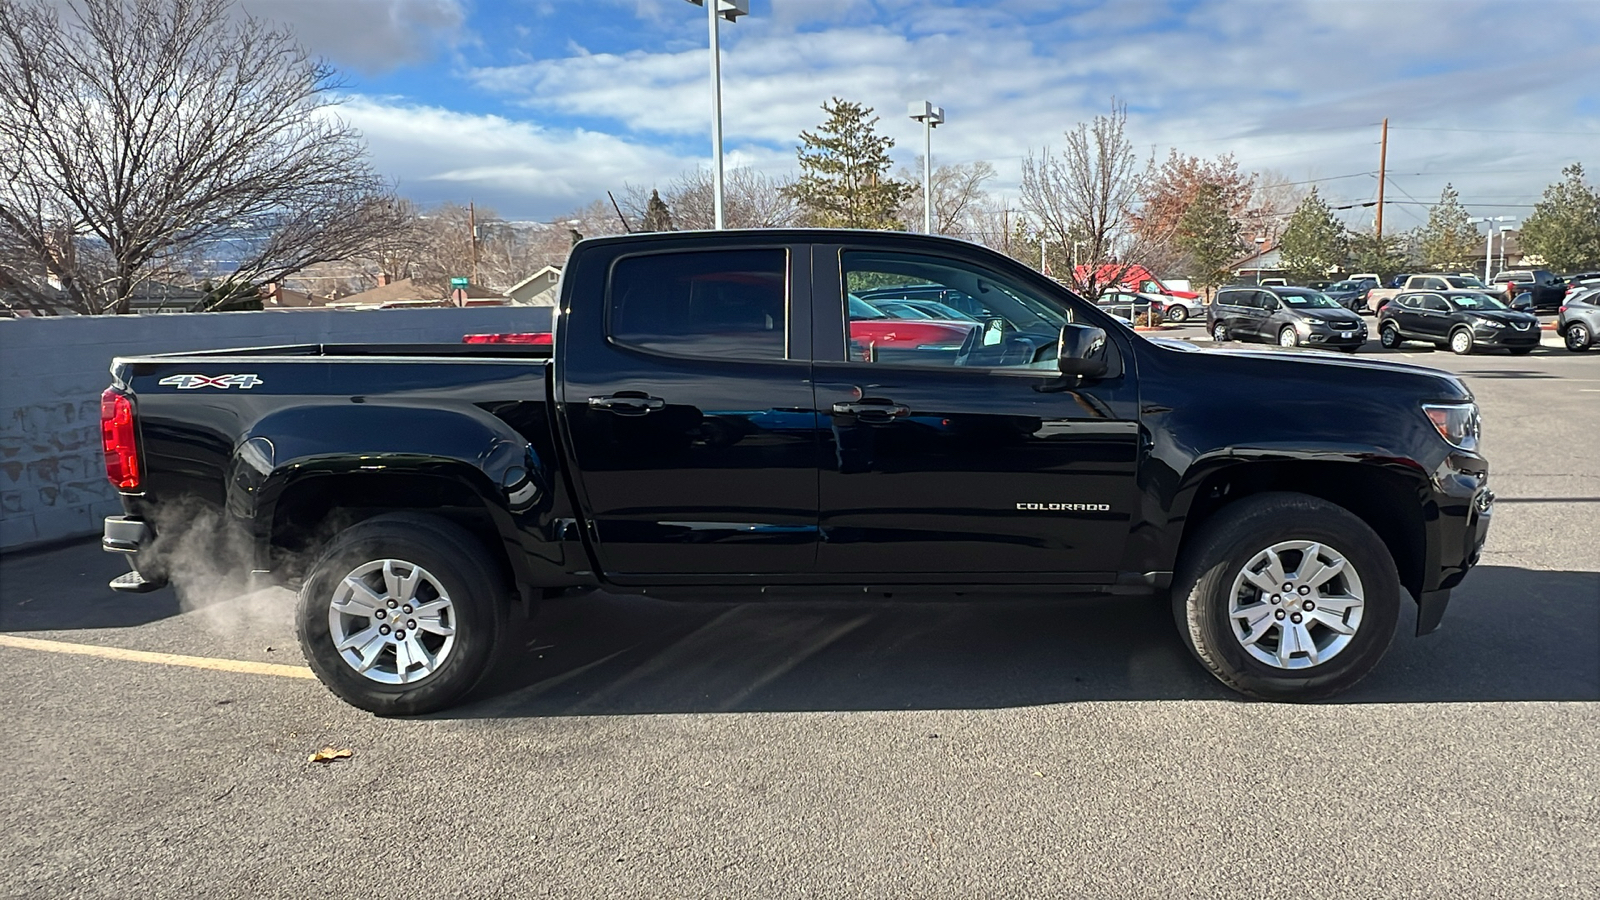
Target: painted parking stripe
164,659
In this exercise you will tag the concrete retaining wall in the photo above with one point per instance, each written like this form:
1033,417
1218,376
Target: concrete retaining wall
52,370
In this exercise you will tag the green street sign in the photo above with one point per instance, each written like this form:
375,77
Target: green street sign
459,283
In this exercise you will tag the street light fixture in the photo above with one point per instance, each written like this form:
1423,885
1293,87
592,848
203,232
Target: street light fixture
1488,240
730,10
931,117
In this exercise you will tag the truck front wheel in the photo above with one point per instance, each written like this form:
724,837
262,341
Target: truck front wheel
1287,597
402,614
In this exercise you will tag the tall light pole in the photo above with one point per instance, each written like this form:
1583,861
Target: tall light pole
931,117
730,10
1488,240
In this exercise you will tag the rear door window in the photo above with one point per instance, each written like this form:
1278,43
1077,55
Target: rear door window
726,304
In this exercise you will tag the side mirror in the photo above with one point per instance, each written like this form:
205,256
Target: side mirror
1082,351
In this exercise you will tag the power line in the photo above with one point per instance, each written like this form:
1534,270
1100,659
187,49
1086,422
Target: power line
1497,131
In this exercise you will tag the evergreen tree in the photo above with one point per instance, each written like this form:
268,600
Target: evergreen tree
657,217
1385,259
1210,235
1564,230
1450,241
844,169
1313,243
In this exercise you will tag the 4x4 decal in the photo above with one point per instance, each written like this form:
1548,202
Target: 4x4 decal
223,382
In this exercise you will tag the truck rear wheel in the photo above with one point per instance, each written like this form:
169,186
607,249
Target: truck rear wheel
1287,597
402,614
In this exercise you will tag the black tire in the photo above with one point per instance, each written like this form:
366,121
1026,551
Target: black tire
1461,342
1226,544
1578,337
1219,333
478,591
1293,336
1389,336
1177,314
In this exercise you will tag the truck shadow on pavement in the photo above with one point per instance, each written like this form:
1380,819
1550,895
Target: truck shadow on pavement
1511,635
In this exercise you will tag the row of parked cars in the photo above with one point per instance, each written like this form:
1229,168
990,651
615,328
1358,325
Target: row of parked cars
1458,312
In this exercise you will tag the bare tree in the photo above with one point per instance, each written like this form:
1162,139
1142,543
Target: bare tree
137,131
1273,199
960,203
1089,194
749,199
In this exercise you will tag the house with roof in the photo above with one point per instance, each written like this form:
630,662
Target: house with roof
538,289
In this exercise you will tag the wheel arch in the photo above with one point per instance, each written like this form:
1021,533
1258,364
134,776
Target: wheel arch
1389,498
461,464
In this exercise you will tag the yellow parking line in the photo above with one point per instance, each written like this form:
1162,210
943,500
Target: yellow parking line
164,659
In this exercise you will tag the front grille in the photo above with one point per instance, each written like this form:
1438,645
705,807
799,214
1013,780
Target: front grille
1521,326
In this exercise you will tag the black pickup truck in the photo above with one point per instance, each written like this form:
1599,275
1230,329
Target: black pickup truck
724,412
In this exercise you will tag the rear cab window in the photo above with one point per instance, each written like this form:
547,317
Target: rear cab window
725,304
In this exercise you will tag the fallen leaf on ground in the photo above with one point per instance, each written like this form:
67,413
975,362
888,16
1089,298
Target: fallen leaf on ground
329,754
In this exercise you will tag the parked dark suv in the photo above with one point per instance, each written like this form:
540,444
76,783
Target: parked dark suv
1461,320
1287,316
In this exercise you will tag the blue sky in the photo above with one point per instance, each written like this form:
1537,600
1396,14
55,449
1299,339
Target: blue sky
535,107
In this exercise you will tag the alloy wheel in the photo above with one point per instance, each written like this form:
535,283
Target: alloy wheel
1219,332
1461,341
392,621
1287,338
1296,604
1577,336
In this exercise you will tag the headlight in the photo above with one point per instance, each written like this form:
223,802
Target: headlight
1314,322
1457,423
1489,323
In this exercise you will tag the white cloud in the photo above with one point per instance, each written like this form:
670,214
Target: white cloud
1272,83
369,36
520,168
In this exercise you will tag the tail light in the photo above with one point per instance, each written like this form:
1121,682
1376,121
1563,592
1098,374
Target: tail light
119,437
525,337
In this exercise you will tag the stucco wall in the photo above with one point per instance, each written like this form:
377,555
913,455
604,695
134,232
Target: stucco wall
52,370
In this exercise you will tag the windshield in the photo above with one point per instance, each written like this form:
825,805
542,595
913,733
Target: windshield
1475,302
1464,281
1309,300
861,309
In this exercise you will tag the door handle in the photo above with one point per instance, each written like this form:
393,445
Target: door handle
872,410
628,403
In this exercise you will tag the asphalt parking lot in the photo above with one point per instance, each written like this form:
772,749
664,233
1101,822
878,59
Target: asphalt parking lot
1017,747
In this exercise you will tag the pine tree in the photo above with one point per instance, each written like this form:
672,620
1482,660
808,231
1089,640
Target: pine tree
1313,243
1385,259
1210,235
657,217
1564,230
844,169
1450,241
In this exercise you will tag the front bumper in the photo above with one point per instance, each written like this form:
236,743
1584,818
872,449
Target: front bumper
1335,336
1506,337
1462,506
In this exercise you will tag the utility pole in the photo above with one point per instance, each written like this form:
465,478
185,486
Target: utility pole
1383,167
472,232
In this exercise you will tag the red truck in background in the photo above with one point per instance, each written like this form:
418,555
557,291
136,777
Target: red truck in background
1132,278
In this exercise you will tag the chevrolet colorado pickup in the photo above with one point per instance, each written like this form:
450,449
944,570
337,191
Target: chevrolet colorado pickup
707,418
